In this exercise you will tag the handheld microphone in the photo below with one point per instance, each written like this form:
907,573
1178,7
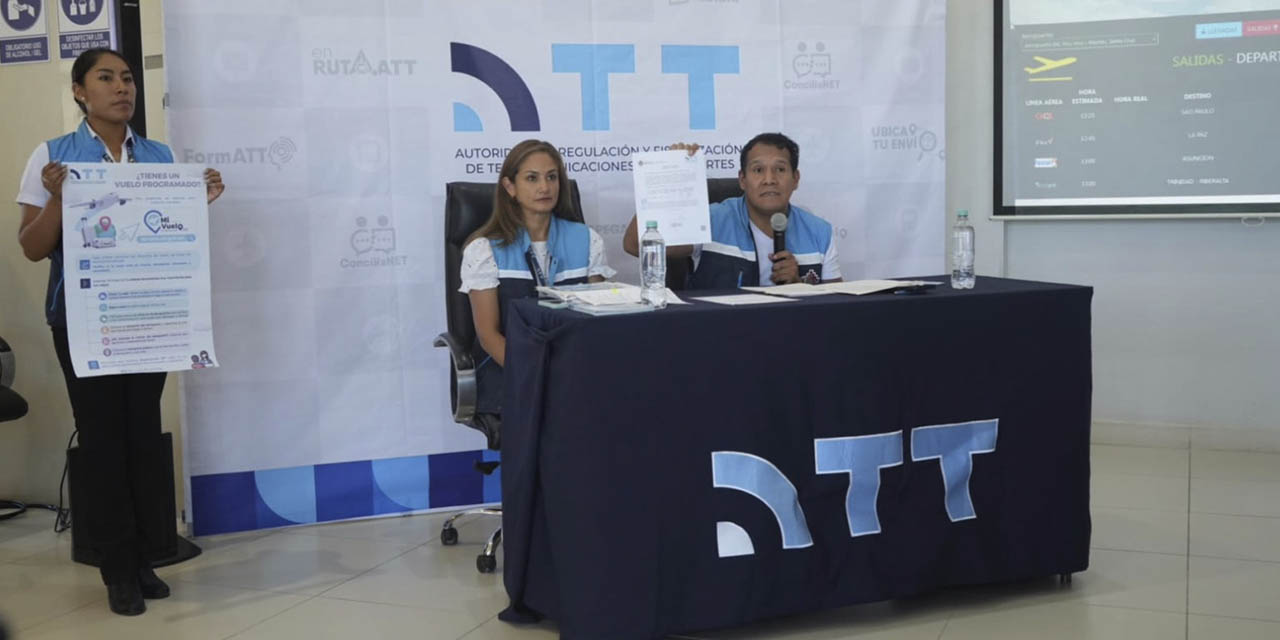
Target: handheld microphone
779,223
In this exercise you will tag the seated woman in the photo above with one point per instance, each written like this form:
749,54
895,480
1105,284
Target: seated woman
528,241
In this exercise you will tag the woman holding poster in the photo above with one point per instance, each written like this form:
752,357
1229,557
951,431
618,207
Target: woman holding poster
118,416
527,242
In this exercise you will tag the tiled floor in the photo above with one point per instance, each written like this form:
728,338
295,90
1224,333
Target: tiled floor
1186,545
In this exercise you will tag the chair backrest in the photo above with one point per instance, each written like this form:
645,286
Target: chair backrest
467,206
721,189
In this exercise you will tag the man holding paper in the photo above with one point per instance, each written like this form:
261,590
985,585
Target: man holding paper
741,250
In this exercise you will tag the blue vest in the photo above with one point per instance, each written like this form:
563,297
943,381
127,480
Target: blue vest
81,146
729,260
569,249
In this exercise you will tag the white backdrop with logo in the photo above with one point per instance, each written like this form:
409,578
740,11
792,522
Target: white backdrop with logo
336,125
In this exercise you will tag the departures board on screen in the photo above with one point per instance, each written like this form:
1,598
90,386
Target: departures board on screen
1129,107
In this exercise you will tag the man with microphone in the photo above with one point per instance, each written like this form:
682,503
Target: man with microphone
759,238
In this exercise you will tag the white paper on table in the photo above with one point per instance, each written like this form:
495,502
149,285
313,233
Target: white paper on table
136,268
594,293
671,189
862,287
603,293
744,298
793,290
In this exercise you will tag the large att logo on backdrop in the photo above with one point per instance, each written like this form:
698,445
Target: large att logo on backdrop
594,64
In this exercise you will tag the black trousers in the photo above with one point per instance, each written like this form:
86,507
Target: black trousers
121,460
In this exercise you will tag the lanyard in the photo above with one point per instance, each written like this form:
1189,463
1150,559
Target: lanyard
535,269
128,153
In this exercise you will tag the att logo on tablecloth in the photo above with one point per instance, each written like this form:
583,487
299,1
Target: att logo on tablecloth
860,458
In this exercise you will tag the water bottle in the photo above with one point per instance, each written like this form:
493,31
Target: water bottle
962,252
653,266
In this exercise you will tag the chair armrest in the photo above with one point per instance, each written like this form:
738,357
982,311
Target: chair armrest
462,379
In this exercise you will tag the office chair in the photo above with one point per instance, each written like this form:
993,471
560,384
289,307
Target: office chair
721,189
467,207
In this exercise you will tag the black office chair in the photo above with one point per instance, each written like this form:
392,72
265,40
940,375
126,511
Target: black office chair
718,190
467,207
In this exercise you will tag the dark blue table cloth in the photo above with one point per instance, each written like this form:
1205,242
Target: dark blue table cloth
704,466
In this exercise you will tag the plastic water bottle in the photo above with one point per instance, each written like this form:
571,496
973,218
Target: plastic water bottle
653,266
962,252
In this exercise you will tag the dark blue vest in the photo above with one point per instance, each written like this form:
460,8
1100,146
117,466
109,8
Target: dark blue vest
569,247
729,260
81,146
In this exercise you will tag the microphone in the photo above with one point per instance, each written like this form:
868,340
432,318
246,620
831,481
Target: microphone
779,223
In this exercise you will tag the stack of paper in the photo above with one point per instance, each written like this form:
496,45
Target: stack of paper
603,298
744,298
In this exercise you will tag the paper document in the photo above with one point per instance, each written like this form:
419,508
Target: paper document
136,265
671,189
794,290
601,293
862,287
853,288
744,298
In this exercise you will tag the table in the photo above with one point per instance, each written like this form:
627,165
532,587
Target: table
840,431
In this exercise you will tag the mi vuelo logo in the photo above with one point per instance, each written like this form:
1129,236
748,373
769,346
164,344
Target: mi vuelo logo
596,65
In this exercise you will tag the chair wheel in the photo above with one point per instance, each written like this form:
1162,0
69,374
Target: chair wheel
486,564
449,537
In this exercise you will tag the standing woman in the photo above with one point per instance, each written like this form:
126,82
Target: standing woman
118,417
528,241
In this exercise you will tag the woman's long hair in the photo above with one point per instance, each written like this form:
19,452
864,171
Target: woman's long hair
506,221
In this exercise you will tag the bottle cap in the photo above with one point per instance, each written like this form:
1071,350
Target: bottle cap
963,213
651,224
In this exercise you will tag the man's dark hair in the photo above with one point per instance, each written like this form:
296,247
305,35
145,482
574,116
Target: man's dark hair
774,140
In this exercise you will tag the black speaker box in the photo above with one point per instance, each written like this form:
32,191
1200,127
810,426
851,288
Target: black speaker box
167,546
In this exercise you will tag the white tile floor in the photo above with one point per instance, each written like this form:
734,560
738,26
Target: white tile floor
1186,545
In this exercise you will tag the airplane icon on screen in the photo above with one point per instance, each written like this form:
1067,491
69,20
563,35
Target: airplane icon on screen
1047,64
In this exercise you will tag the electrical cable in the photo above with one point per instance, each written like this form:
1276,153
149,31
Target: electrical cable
63,520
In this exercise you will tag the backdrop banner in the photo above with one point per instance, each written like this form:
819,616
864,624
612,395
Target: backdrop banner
336,125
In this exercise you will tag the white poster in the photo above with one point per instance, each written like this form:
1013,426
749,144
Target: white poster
337,124
24,31
136,265
84,25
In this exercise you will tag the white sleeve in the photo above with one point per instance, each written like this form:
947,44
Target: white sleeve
479,270
599,266
831,261
31,190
